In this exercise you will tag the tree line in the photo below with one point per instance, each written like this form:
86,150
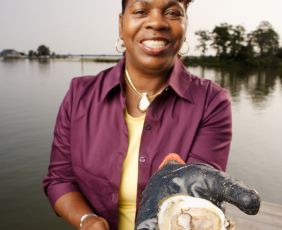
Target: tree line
42,51
233,43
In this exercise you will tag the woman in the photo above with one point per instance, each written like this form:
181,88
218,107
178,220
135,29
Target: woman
113,130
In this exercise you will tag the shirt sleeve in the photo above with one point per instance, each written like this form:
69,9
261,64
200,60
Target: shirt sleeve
60,178
212,142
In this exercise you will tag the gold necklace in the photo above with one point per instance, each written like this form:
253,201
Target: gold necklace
144,98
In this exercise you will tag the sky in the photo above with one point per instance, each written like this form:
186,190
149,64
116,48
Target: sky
91,26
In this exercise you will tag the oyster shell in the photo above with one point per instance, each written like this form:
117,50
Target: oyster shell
183,212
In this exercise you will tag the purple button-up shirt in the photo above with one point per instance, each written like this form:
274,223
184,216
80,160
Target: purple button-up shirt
192,117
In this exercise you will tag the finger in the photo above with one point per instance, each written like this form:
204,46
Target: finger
107,226
209,183
98,223
102,224
223,187
242,196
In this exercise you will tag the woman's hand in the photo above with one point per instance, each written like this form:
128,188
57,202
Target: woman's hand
95,223
198,180
72,206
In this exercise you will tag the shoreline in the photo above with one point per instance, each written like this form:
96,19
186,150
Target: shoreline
206,61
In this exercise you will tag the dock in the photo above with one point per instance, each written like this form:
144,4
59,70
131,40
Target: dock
268,218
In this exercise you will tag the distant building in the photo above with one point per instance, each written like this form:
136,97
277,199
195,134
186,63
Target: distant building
10,53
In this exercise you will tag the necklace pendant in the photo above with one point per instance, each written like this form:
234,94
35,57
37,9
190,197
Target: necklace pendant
143,103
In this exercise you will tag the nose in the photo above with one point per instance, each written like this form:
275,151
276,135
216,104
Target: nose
156,21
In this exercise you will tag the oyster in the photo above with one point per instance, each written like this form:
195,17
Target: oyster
183,212
163,207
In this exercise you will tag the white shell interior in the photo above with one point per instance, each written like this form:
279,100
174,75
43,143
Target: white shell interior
174,206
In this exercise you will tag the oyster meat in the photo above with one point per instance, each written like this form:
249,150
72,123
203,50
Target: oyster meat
183,212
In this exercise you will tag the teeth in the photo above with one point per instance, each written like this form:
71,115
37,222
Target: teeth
155,43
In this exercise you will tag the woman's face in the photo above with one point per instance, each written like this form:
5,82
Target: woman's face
153,32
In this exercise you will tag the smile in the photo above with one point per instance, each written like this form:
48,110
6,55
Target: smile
155,46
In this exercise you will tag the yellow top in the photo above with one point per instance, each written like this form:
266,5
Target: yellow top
128,186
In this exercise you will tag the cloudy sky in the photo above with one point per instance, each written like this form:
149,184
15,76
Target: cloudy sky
91,26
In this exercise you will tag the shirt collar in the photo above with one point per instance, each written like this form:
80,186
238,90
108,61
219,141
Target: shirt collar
179,80
114,78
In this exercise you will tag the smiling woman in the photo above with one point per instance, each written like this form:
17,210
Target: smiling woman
153,33
114,130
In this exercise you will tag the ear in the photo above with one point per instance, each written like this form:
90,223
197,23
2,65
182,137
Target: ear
120,26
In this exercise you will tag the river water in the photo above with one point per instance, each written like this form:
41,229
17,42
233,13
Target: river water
30,94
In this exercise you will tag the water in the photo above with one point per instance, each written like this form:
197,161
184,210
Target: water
30,93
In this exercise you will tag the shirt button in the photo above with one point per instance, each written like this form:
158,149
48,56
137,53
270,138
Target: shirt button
142,159
148,127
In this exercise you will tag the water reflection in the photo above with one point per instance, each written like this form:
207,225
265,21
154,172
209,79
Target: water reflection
258,85
255,154
44,67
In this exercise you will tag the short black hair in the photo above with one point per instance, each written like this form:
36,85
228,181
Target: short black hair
124,2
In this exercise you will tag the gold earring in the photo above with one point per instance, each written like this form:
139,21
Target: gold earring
120,47
184,48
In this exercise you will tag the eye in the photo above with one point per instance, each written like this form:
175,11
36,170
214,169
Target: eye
173,13
140,12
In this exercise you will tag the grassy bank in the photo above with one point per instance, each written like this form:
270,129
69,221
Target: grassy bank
212,61
205,61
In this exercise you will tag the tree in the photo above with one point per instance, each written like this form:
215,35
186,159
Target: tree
237,40
32,54
221,36
279,53
43,51
204,38
246,53
265,39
